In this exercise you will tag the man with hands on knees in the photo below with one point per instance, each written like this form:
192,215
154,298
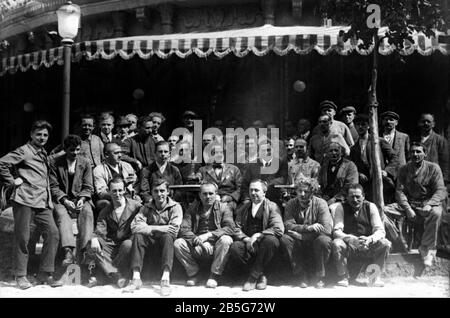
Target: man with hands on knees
156,226
206,233
358,234
259,227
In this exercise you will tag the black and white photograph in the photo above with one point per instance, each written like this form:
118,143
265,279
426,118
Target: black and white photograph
223,154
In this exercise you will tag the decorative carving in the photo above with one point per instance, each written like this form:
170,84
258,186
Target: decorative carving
221,17
297,8
118,21
166,13
268,8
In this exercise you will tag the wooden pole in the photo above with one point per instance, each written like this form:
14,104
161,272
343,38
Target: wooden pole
66,89
377,178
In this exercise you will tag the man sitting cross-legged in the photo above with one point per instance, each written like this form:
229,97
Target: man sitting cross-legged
308,223
358,233
259,228
156,226
111,242
206,233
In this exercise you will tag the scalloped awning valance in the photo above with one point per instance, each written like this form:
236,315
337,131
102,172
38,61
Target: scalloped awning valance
259,41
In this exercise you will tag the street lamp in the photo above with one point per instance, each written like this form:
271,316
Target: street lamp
68,24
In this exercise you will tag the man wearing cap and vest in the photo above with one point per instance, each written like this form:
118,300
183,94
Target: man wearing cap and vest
348,114
397,140
329,108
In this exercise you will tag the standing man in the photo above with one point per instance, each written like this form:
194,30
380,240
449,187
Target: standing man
106,124
329,108
336,174
156,226
158,119
290,151
420,193
320,142
161,168
110,245
308,224
397,140
304,129
132,119
188,121
26,169
358,233
348,114
206,233
436,146
140,149
259,229
302,166
91,145
123,128
72,189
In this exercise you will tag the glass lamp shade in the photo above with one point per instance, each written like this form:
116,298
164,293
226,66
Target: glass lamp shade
68,20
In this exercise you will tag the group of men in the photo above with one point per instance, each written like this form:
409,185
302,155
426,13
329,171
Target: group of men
118,189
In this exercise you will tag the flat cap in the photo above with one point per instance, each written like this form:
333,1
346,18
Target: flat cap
328,104
189,113
347,109
390,114
361,118
123,121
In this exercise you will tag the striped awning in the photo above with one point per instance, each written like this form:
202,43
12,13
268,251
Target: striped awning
259,41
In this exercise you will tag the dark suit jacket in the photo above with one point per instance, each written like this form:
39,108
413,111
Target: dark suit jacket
229,184
346,175
253,171
272,221
139,148
111,229
401,147
223,220
388,158
437,152
150,173
82,185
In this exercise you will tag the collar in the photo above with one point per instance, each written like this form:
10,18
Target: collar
169,204
36,150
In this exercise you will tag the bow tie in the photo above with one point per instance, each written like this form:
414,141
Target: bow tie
217,165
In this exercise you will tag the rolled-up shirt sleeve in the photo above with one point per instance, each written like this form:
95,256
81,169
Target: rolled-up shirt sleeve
338,230
378,231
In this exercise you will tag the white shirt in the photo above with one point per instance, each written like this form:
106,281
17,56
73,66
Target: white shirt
255,208
108,137
119,210
162,167
389,137
423,139
71,166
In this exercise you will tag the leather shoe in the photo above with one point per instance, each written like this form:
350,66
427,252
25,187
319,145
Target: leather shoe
68,257
212,281
165,287
120,281
92,282
262,283
47,279
250,284
192,281
134,284
23,282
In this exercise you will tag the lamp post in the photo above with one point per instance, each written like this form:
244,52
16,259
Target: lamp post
68,24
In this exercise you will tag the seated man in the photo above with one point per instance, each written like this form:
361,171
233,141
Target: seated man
111,168
156,226
159,169
259,228
206,233
111,242
226,176
358,233
71,188
336,174
420,193
308,223
302,166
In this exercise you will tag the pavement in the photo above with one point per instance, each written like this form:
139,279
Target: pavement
395,287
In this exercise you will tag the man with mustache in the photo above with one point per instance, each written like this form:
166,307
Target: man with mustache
420,192
436,146
397,140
